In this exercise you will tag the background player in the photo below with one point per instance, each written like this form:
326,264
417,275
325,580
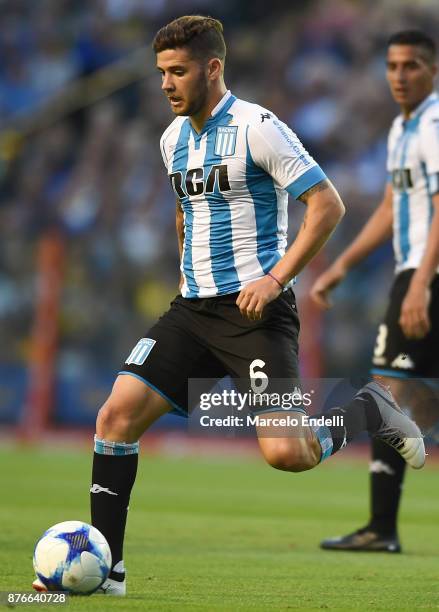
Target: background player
407,343
231,165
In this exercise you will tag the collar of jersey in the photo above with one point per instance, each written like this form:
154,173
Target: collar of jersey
428,101
217,114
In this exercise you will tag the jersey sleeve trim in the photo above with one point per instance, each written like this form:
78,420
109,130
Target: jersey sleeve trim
308,179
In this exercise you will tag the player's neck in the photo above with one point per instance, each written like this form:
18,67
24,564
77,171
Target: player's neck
198,120
407,109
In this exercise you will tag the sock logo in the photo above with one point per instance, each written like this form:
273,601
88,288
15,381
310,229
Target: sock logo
95,488
379,467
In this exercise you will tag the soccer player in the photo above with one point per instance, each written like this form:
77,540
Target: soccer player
407,344
231,165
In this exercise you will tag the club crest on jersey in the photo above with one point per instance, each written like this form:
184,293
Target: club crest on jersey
141,351
225,141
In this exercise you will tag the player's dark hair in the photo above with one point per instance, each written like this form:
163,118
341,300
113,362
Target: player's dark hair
203,36
417,39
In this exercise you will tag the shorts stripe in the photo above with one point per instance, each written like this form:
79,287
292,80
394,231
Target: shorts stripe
394,373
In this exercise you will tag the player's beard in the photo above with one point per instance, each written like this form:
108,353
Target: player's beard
201,91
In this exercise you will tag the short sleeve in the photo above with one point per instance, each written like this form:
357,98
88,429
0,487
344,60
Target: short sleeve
429,150
275,148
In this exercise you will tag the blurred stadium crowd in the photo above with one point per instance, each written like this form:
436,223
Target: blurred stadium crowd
79,152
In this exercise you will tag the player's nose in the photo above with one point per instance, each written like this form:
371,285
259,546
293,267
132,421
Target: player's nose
400,76
167,83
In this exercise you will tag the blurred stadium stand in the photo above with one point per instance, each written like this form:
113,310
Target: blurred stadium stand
81,114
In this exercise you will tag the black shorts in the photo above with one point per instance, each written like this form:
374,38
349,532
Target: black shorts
209,338
396,355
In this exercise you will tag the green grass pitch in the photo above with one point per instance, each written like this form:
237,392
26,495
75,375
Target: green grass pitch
228,533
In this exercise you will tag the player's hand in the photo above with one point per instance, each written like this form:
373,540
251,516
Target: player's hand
325,283
414,319
256,295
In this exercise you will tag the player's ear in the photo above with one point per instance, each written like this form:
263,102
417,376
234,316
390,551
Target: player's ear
214,68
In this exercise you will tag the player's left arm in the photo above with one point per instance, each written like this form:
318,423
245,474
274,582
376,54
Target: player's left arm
414,317
324,211
275,148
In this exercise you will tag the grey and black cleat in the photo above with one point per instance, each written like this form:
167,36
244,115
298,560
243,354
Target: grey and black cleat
397,429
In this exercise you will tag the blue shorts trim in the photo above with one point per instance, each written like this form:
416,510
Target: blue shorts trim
179,410
394,373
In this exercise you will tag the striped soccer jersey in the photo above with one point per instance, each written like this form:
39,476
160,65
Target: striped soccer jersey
232,181
413,167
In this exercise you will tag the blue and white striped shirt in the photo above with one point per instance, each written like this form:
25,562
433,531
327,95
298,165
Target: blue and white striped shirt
413,167
233,181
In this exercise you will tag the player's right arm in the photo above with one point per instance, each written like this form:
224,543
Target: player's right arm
179,226
376,231
179,216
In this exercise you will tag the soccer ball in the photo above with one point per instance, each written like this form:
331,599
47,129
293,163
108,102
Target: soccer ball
72,556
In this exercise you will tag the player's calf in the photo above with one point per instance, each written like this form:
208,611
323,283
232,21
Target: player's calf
297,452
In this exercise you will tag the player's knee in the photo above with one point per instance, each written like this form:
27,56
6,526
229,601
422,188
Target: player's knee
113,422
292,455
